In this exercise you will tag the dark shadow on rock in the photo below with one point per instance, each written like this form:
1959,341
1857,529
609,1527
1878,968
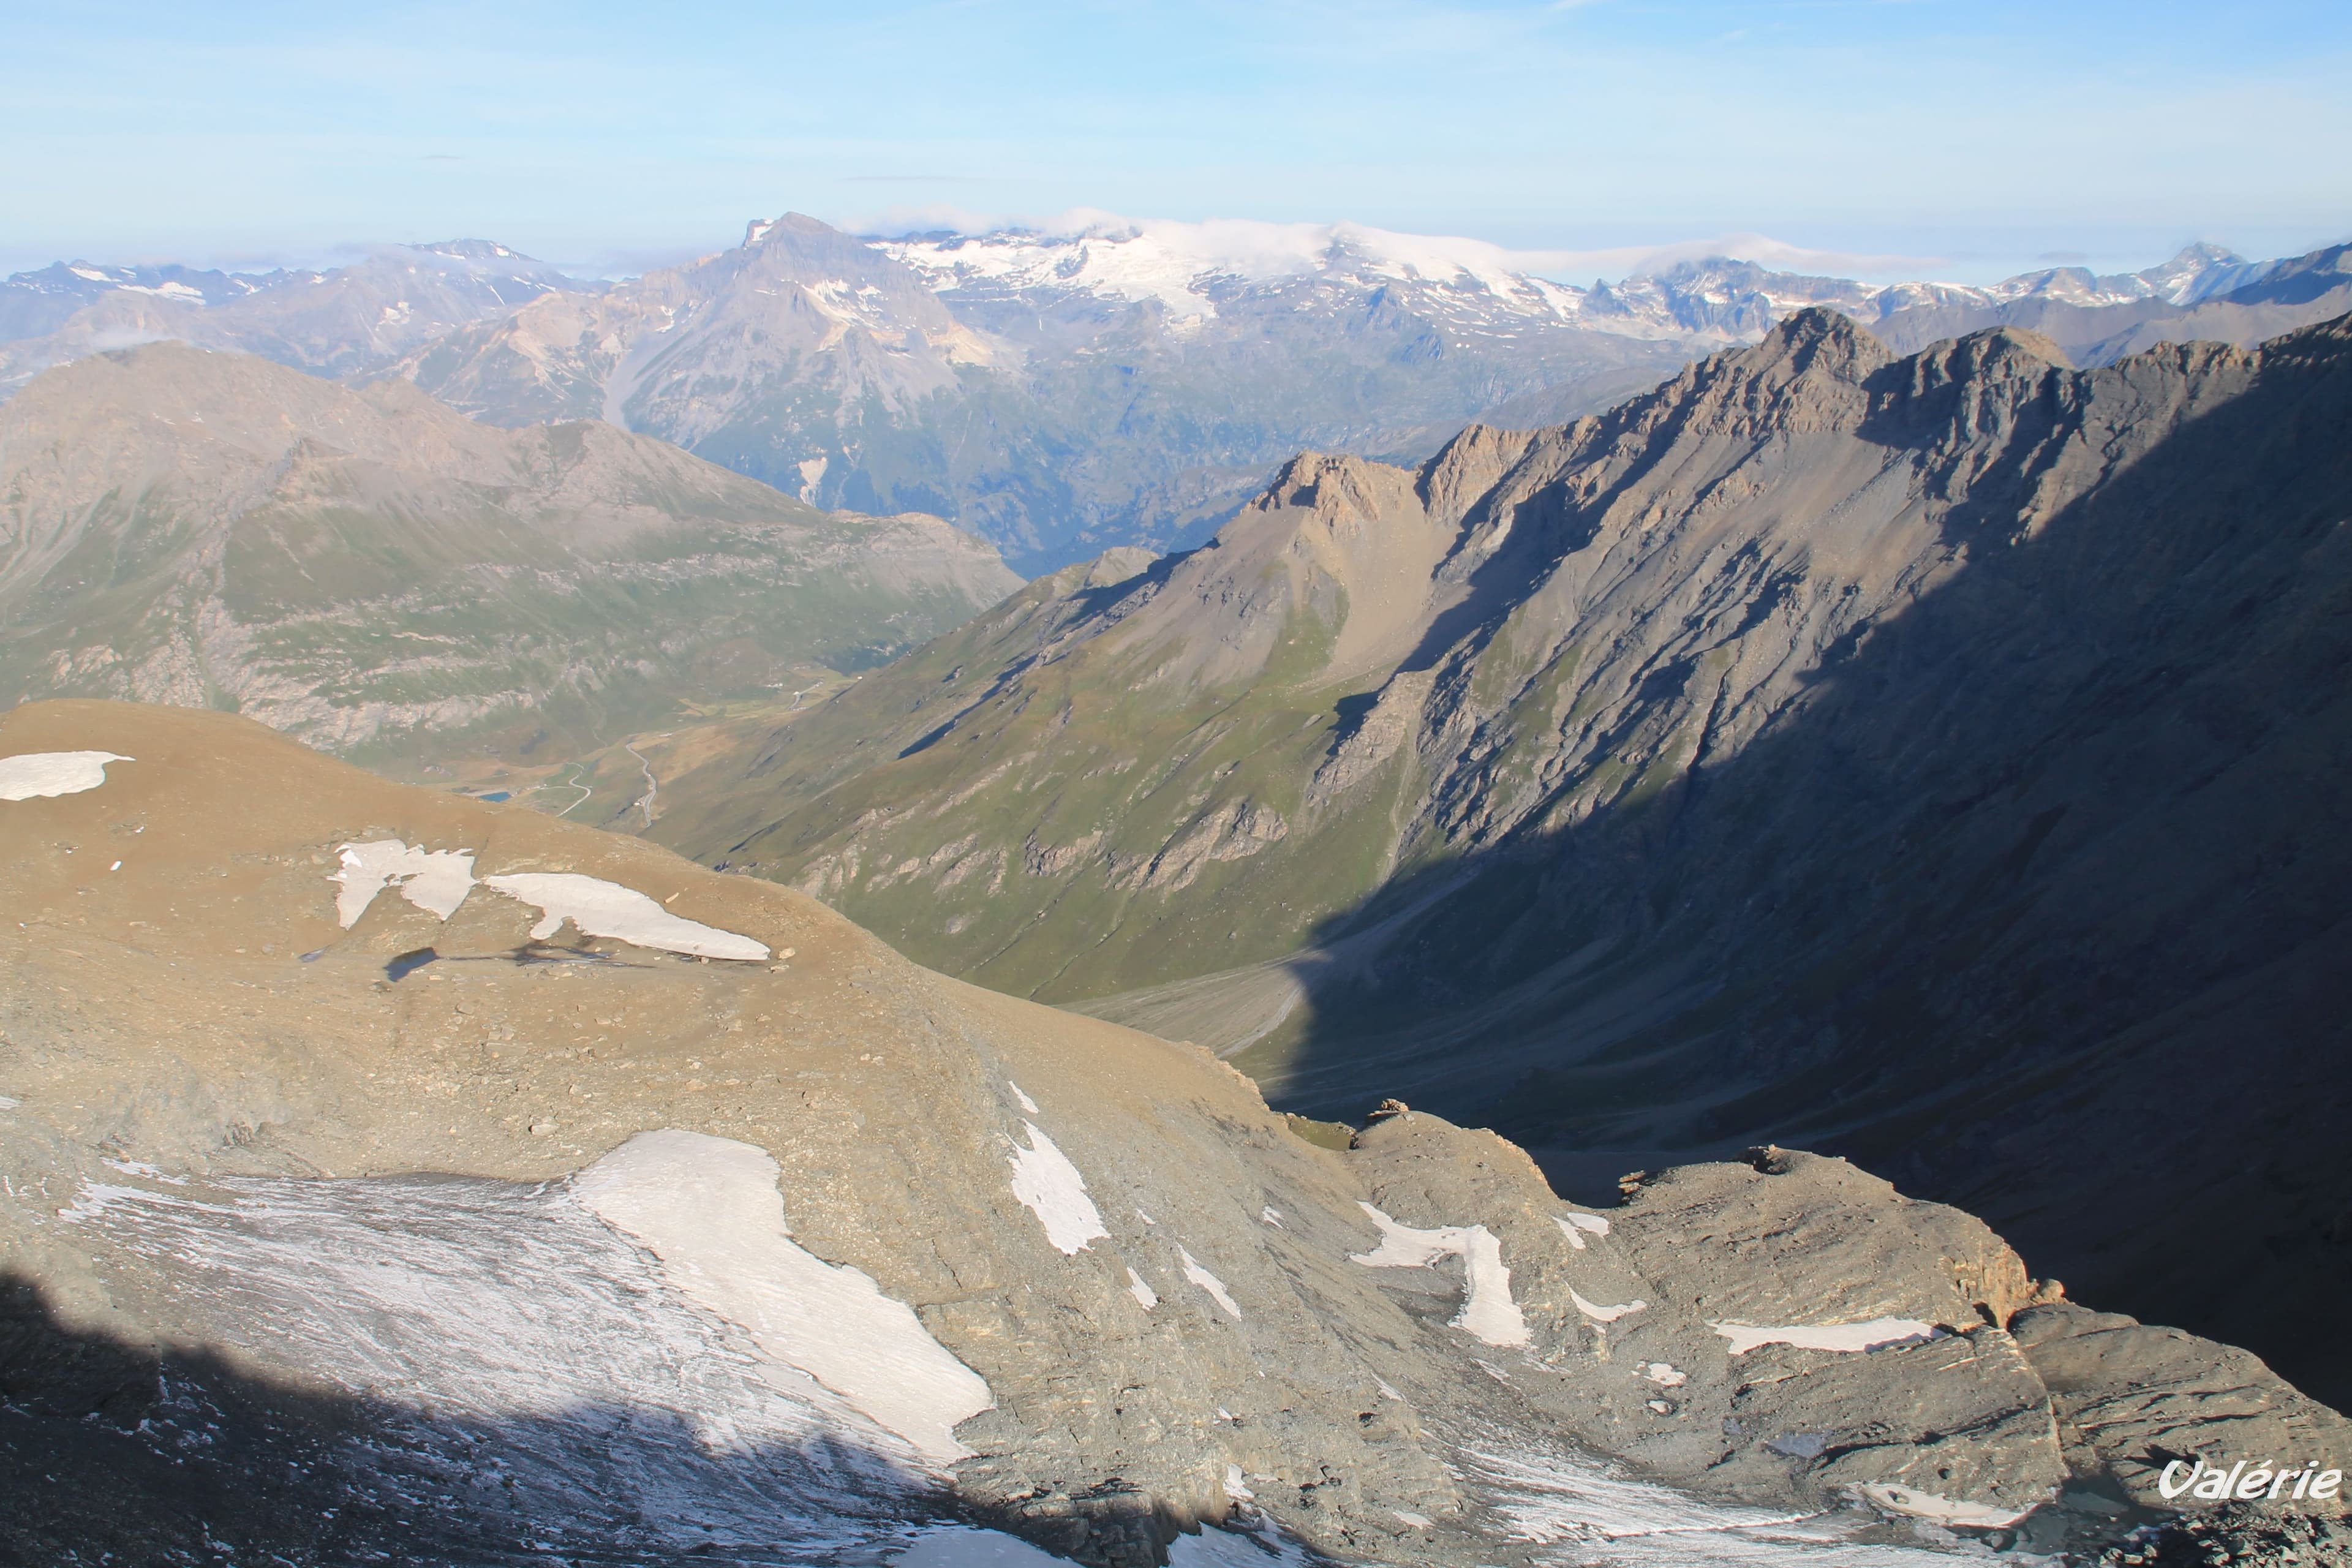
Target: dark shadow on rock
2037,908
129,1453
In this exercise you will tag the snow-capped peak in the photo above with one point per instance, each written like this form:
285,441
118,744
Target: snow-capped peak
1179,264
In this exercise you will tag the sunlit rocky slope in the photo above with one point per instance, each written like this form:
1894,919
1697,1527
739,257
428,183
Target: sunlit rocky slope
386,1174
373,573
1926,756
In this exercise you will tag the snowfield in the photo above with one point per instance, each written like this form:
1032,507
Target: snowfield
29,775
1487,1313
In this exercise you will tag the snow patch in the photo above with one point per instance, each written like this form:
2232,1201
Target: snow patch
1209,1282
710,1209
435,880
1045,1180
1488,1313
1662,1374
28,775
518,1339
598,908
1548,1497
1574,1226
1027,1104
1604,1314
1137,1286
1878,1333
1942,1510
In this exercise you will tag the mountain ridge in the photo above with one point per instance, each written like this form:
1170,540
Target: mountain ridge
364,566
1507,877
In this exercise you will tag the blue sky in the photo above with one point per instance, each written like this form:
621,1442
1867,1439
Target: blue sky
1971,139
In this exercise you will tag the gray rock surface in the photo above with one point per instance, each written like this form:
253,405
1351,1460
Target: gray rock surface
2140,1398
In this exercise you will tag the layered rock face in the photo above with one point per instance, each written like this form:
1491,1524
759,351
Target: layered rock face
373,573
1919,757
389,1173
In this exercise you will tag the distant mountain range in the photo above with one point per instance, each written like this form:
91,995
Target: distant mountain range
1925,757
355,320
1064,394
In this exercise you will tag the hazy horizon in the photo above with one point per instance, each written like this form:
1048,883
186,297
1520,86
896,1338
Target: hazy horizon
1977,141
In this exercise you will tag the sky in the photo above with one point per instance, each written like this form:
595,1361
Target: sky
1966,139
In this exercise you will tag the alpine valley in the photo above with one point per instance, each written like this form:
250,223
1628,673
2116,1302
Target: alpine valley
1925,758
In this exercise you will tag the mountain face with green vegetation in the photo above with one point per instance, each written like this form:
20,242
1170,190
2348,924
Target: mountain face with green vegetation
380,577
1915,756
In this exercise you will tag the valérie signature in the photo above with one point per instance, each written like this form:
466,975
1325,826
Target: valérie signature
2268,1483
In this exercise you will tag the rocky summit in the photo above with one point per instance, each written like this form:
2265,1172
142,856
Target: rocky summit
392,1175
1911,756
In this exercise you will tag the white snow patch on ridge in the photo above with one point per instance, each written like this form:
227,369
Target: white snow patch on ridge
30,774
1209,1282
1605,1314
1487,1313
1137,1286
435,880
1875,1334
1573,1226
1043,1179
709,1209
599,908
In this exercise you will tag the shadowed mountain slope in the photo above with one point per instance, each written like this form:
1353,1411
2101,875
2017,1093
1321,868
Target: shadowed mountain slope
365,567
1925,756
387,1172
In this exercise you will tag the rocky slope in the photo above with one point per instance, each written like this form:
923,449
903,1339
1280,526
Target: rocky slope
376,574
1923,757
390,1174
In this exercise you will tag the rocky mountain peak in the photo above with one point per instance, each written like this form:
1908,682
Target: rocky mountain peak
1817,337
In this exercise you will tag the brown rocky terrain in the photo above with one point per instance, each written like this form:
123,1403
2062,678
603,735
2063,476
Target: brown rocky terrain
358,1197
